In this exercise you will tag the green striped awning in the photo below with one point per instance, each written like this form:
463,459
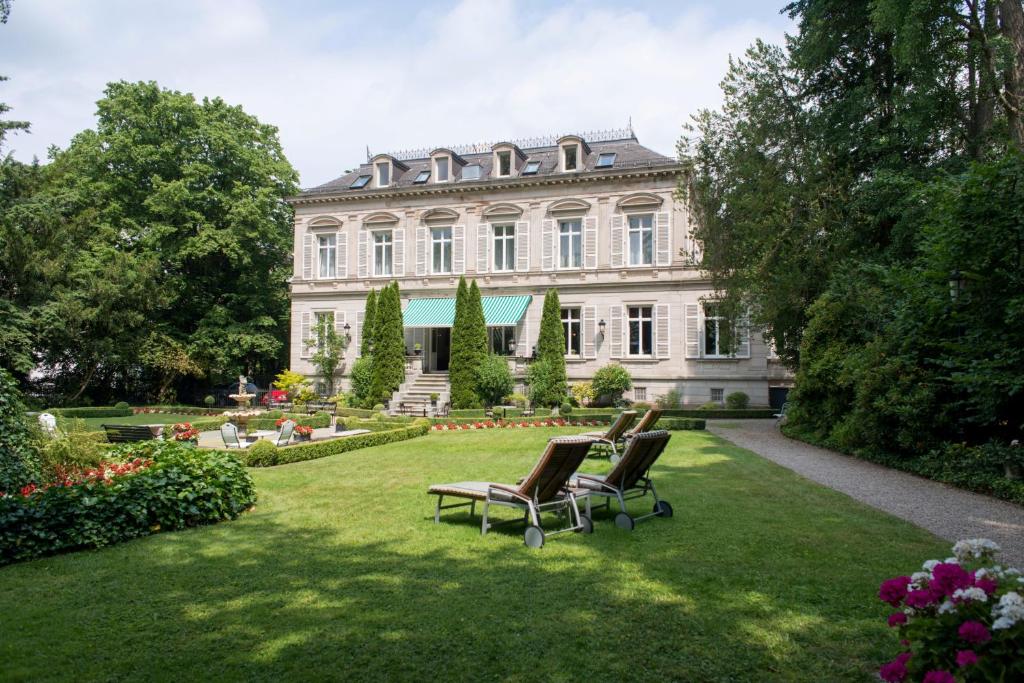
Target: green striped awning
498,311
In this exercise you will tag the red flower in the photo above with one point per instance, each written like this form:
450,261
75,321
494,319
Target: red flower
965,658
896,670
894,590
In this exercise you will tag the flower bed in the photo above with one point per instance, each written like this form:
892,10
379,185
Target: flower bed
961,619
147,487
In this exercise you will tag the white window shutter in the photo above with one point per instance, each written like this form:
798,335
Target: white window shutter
363,256
617,242
307,257
615,331
662,331
358,340
548,245
458,249
590,242
398,252
663,239
522,246
421,251
339,323
589,331
304,335
341,258
483,235
692,330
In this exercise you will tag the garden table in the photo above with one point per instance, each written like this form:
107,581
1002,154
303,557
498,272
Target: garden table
253,437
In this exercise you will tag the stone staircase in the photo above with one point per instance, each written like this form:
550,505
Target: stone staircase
416,391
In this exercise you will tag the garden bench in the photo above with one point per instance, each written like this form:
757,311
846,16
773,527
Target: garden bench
128,433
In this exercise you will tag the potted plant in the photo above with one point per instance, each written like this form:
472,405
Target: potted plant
303,433
433,399
185,433
417,348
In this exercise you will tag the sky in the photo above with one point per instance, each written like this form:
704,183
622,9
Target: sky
339,77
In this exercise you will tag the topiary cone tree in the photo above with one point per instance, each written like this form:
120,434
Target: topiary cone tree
551,346
477,335
388,369
462,372
369,321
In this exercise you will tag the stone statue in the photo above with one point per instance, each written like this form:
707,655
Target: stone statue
241,384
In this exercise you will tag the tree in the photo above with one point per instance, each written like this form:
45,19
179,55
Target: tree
369,324
462,373
495,379
477,331
170,360
551,350
290,382
328,349
389,346
19,463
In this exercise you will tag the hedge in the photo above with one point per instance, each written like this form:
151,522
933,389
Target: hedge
179,410
722,413
316,421
99,411
681,423
320,449
182,487
602,418
356,412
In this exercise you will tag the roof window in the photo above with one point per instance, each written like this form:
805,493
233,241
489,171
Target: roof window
531,168
422,177
606,160
360,182
471,172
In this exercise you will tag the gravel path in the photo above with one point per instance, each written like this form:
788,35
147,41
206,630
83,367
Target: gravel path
947,512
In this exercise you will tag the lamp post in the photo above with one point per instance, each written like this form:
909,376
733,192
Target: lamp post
956,284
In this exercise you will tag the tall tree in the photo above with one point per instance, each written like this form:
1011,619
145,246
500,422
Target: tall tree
551,346
462,372
369,324
388,366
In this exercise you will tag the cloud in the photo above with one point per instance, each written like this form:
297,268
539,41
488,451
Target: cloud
336,78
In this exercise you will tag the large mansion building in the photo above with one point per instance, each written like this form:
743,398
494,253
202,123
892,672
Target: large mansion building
595,216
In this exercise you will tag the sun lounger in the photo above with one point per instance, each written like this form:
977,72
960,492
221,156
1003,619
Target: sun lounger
629,479
614,437
545,489
229,433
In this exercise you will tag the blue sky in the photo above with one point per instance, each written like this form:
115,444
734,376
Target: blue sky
336,77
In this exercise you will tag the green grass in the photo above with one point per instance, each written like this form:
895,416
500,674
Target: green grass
340,573
139,419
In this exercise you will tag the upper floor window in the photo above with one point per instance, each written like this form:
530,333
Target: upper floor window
441,168
570,157
641,341
570,244
360,182
472,172
441,248
504,164
571,327
501,340
382,252
328,252
383,174
504,247
641,240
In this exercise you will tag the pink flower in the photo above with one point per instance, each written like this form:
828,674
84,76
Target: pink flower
893,591
938,677
986,584
896,670
950,577
965,658
920,598
897,618
974,632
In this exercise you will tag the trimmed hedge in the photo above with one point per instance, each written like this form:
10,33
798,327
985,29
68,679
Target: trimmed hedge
313,450
100,411
722,413
315,421
603,419
183,487
681,423
356,412
179,410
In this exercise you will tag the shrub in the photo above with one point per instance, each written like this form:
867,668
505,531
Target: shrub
565,408
551,345
494,380
545,388
388,364
163,486
74,448
710,405
670,400
583,392
681,423
121,405
610,381
263,453
320,449
466,355
361,377
378,407
19,461
737,400
209,401
99,411
290,381
515,399
964,615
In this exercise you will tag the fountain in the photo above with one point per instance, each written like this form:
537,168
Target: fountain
241,415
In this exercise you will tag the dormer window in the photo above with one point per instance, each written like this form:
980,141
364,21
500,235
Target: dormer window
441,170
504,164
383,174
570,157
472,172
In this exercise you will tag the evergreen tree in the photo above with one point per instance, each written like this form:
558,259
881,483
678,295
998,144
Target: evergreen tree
388,367
477,332
369,323
19,462
462,371
551,348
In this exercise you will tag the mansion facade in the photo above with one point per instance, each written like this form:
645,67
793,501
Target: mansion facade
595,216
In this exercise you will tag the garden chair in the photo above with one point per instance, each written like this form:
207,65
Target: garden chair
528,410
48,423
545,489
285,435
629,479
443,410
615,436
645,424
229,433
781,415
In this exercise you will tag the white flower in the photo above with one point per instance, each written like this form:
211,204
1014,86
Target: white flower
918,577
930,565
1009,611
1001,623
1012,599
975,548
972,593
947,607
951,560
981,573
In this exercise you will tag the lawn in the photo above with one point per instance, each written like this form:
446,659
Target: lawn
340,573
140,419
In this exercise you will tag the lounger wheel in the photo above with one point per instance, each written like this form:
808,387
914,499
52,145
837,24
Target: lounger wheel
624,521
663,509
533,537
615,458
586,525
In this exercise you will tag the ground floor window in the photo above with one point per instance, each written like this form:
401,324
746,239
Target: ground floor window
718,395
501,340
639,393
641,341
571,327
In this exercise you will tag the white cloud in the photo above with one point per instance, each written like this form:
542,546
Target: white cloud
338,79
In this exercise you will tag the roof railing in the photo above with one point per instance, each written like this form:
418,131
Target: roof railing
522,143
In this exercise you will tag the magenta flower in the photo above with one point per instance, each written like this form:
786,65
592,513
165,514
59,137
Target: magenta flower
920,598
965,658
896,670
974,632
897,618
986,584
949,577
893,591
938,677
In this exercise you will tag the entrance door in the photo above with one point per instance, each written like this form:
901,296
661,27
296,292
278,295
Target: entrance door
441,346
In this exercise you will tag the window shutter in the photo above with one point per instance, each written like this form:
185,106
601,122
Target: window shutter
590,242
363,237
483,234
692,330
663,239
589,331
548,245
615,331
304,334
307,257
458,249
421,251
617,242
358,340
662,331
398,252
522,246
341,258
339,323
